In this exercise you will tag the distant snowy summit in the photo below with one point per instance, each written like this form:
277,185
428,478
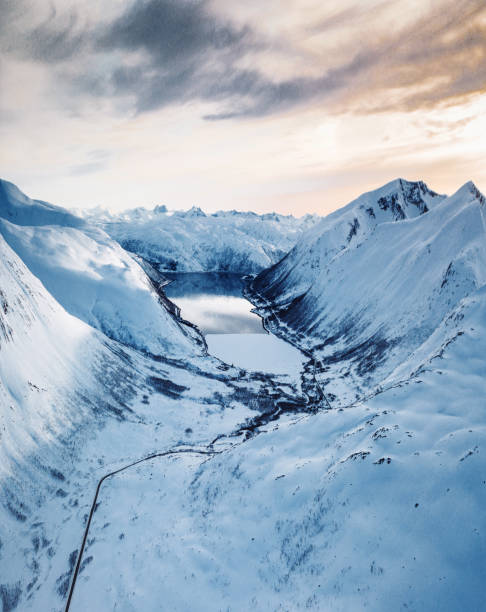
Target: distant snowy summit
376,288
194,241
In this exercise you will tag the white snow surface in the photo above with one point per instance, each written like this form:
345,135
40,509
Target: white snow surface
261,352
367,288
74,405
193,241
89,274
377,505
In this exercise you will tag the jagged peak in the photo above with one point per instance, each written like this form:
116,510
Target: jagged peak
402,185
160,209
195,211
469,189
410,191
400,198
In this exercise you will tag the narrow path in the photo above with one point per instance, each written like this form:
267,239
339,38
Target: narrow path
95,499
245,428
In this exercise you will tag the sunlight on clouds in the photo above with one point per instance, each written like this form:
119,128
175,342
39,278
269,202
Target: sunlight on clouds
312,103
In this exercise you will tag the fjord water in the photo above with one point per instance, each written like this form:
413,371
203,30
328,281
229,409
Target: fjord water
214,302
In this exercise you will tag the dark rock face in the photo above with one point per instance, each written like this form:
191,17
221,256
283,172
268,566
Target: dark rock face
411,194
10,596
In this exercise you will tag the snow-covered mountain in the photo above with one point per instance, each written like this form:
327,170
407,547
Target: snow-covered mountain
193,241
74,404
268,503
89,274
76,401
366,290
376,507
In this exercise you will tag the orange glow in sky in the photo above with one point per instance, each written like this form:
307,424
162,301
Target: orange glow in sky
295,106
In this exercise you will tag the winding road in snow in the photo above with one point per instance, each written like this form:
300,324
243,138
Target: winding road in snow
176,451
168,453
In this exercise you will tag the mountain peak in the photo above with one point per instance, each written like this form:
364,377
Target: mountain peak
195,211
405,186
160,209
400,198
471,189
480,196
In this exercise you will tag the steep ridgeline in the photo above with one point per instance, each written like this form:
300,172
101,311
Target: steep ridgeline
368,288
192,241
90,275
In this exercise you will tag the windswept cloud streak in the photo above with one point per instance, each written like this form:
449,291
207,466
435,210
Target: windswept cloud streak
161,52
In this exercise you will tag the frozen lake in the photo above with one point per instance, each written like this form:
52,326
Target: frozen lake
234,334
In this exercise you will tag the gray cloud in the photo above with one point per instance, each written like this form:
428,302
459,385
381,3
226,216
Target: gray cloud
54,41
172,31
188,53
161,52
56,37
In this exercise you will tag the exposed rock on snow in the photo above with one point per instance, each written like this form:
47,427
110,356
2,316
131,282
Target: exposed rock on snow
367,288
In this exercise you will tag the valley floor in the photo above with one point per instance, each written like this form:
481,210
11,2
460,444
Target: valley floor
377,506
195,403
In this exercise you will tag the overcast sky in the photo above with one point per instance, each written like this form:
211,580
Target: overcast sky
289,105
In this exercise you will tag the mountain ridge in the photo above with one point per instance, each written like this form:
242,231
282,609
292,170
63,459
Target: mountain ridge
193,241
90,275
360,303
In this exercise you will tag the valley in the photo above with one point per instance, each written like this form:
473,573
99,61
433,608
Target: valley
329,458
242,306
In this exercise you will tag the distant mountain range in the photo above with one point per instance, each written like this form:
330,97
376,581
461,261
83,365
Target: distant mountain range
193,241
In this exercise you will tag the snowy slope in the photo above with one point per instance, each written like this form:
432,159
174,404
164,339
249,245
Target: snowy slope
75,405
375,507
89,274
57,378
193,241
368,286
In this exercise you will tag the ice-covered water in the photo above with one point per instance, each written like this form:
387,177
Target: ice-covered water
234,334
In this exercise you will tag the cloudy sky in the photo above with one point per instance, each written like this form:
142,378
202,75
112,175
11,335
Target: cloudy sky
289,105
